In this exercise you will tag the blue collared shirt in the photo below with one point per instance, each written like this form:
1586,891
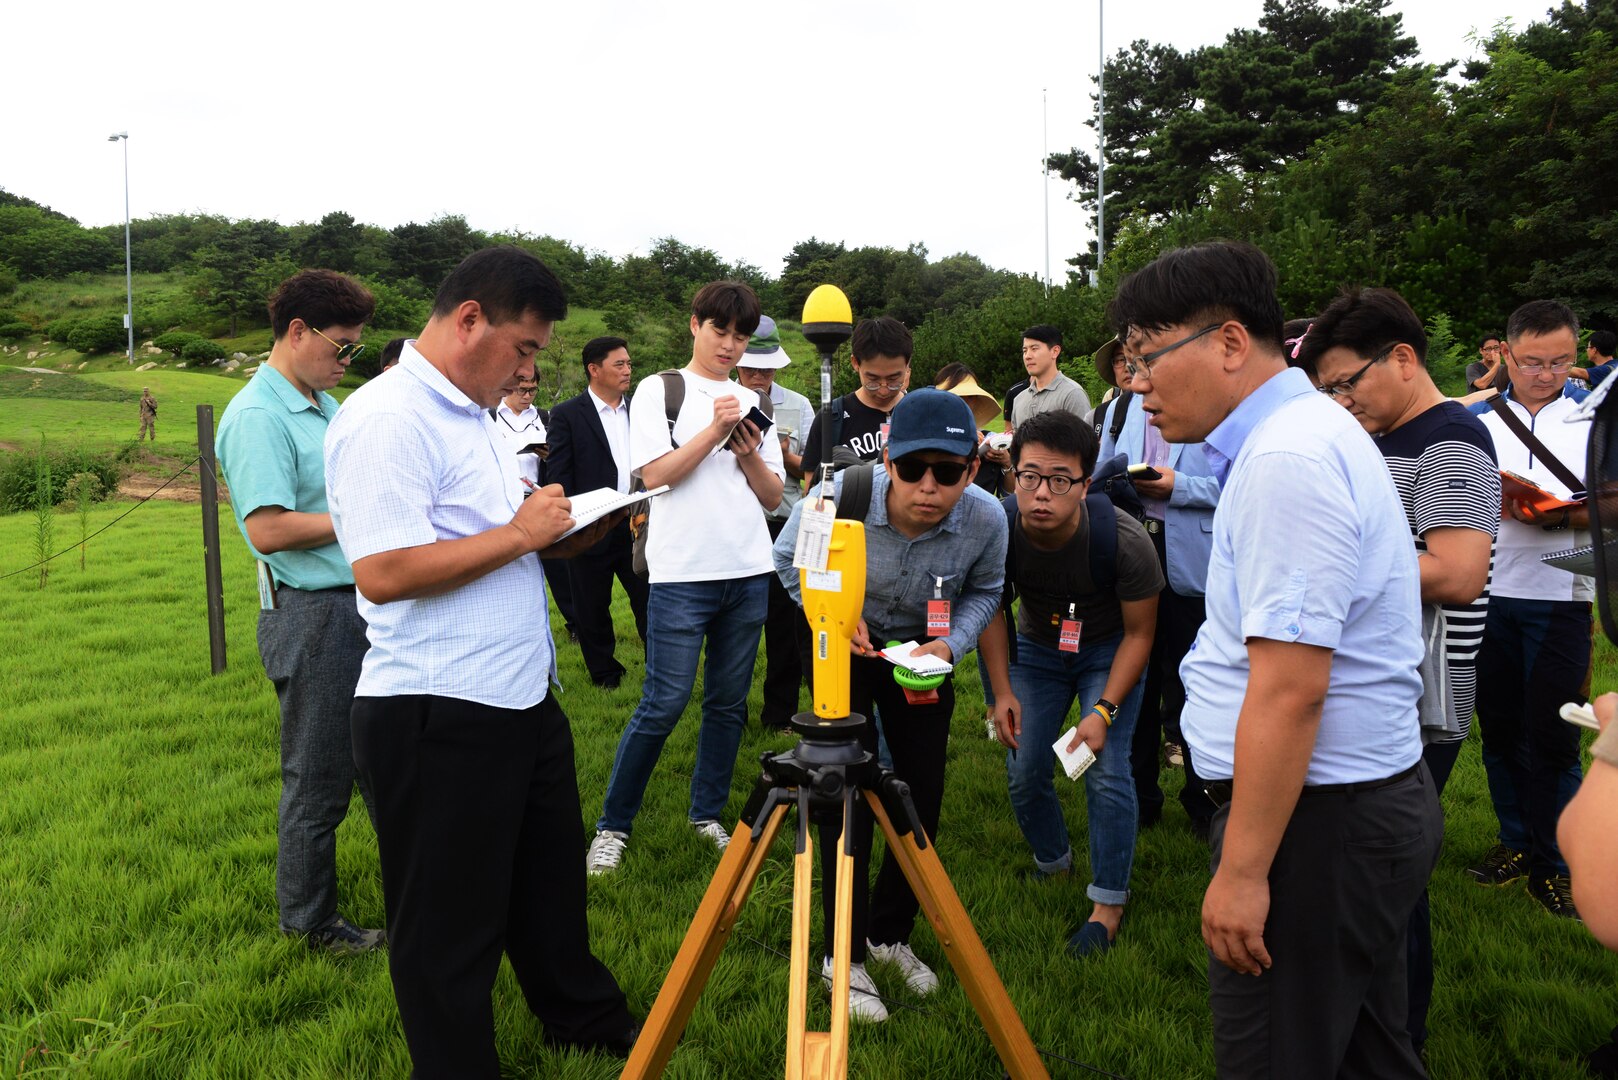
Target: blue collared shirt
410,460
270,447
1310,545
967,550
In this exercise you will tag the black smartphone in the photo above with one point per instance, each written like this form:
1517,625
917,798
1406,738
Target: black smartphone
1143,471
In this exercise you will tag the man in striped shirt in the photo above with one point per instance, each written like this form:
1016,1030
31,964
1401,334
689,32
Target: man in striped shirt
1368,352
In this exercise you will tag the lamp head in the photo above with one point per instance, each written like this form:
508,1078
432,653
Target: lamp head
828,320
115,136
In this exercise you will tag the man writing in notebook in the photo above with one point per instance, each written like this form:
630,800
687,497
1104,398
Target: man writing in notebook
1536,643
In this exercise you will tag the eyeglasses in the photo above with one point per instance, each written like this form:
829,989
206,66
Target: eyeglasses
947,473
1346,387
344,352
1557,367
1029,480
527,389
1142,365
874,383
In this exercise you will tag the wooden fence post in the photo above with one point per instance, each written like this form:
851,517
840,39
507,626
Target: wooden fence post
210,539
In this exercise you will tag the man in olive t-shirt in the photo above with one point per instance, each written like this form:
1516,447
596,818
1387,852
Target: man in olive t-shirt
1076,638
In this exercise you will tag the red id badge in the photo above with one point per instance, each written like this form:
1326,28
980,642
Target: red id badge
1067,637
938,618
885,426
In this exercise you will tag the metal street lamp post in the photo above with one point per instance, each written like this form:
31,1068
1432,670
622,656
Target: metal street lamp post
129,275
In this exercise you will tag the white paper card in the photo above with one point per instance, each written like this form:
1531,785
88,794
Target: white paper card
1078,760
814,537
926,664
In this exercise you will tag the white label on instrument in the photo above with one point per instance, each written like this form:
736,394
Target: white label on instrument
824,580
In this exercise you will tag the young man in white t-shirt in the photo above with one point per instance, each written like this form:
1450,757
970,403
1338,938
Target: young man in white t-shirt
708,560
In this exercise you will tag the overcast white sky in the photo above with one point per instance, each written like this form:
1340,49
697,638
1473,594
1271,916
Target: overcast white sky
739,125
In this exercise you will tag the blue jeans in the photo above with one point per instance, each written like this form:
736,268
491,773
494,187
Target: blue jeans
1046,682
679,616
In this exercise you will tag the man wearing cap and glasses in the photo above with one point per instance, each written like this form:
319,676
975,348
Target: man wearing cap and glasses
786,634
310,633
1301,689
930,535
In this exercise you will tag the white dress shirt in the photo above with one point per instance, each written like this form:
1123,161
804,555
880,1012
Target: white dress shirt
615,422
518,430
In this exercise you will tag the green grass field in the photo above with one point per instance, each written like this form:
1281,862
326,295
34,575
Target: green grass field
137,916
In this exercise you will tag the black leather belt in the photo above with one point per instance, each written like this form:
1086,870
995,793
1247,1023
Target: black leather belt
1220,791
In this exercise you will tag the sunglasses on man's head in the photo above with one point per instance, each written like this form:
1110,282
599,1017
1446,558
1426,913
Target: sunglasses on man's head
947,473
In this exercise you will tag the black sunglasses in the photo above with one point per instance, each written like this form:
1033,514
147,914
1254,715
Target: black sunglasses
947,473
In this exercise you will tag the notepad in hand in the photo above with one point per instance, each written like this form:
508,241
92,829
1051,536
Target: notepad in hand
1075,761
926,664
1523,490
591,506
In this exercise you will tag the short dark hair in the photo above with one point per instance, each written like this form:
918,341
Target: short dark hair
1486,338
952,375
1045,333
1227,279
391,351
321,298
1541,317
596,350
1060,431
1604,342
730,304
1366,321
882,336
507,282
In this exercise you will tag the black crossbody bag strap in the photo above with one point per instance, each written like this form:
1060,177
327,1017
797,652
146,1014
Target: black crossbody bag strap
1530,440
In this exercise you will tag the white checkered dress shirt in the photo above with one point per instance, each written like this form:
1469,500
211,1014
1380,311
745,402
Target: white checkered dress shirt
411,460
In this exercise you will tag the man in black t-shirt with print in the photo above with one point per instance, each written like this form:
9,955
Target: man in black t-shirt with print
1084,630
882,348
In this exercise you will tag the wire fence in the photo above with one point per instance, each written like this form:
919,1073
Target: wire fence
85,540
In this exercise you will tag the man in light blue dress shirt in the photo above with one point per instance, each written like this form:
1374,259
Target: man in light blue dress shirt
1302,685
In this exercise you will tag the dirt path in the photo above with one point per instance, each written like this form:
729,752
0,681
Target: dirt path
186,488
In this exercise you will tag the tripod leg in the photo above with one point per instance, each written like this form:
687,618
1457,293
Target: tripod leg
803,878
963,947
710,929
833,1060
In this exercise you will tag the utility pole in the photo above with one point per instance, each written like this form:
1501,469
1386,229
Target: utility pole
129,275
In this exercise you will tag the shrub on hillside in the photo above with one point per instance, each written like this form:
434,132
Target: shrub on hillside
202,351
20,476
59,329
8,281
14,329
175,341
98,333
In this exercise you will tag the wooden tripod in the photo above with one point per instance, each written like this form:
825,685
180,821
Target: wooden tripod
827,768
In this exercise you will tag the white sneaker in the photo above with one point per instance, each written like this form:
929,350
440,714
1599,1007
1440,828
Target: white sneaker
863,1001
606,851
918,976
713,831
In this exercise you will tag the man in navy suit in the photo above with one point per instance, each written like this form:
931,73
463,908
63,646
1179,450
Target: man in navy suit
589,439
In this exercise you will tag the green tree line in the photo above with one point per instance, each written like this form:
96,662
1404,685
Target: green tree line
1314,135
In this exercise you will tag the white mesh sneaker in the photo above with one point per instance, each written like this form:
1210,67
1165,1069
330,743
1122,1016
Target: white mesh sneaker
606,851
863,1001
918,976
713,831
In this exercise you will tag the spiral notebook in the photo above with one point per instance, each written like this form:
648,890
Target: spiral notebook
1579,560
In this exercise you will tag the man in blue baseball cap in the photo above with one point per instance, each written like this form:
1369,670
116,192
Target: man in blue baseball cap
935,555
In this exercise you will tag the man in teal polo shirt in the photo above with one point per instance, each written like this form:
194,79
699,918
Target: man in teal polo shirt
271,447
